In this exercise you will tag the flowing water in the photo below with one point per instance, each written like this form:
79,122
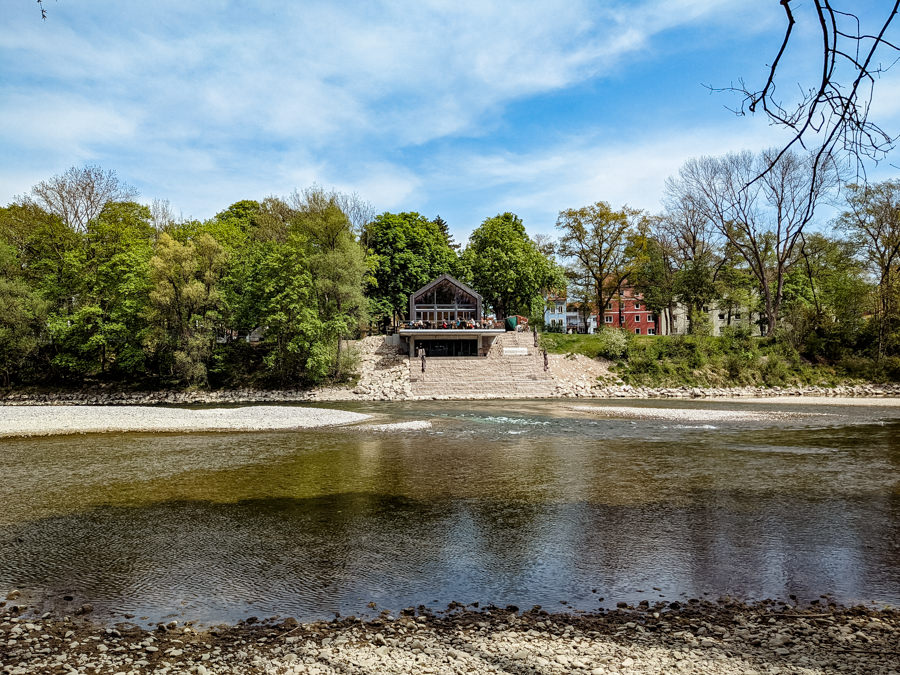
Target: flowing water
555,503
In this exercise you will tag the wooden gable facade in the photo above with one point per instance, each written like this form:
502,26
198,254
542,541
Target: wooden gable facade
445,299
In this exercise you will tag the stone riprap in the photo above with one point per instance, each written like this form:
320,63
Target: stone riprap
870,392
73,419
721,638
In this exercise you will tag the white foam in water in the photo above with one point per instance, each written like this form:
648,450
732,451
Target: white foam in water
513,420
417,425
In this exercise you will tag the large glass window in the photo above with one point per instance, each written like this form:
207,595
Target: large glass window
445,293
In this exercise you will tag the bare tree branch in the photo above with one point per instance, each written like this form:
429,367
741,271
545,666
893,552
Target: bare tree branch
79,195
832,115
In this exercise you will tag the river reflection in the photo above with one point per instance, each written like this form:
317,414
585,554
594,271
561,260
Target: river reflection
517,503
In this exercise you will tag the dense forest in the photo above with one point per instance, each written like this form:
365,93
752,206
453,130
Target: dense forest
97,287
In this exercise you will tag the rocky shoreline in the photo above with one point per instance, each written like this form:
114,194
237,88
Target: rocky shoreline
174,397
726,637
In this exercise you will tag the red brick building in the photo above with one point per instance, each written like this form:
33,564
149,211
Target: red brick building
627,310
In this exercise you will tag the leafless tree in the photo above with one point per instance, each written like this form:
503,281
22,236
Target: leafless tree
831,114
684,227
762,219
545,244
358,211
161,214
79,195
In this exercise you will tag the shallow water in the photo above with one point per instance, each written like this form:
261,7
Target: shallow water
504,502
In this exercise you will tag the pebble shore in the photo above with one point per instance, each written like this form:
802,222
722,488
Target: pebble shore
725,638
148,398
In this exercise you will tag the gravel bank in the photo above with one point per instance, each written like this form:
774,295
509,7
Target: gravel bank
690,414
822,400
73,419
725,638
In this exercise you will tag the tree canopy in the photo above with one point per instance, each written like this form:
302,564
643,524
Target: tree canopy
406,251
507,268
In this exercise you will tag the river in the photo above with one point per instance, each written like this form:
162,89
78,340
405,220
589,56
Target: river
572,506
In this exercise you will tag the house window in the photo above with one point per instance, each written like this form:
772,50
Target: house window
651,331
637,331
721,316
637,305
609,305
737,315
560,309
608,318
637,318
651,318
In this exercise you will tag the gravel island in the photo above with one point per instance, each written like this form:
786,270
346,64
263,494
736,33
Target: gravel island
75,419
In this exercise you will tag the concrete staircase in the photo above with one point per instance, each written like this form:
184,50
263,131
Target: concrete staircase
513,368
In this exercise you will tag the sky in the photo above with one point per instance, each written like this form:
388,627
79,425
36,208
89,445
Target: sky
454,107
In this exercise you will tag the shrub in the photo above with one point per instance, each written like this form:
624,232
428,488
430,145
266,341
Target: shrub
775,371
612,343
736,339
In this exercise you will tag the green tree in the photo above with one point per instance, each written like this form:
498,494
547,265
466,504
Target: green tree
336,261
599,243
104,321
445,230
185,305
49,252
506,267
872,221
825,298
22,317
294,327
406,251
655,279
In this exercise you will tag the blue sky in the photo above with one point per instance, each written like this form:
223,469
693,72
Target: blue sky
463,109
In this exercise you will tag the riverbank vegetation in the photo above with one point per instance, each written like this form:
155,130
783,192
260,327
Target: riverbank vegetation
96,287
735,239
733,359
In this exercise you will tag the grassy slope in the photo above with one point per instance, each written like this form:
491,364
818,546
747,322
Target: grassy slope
698,360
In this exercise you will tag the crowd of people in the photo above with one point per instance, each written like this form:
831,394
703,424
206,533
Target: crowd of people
461,323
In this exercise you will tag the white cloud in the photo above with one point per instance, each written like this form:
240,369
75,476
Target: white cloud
63,124
205,103
537,185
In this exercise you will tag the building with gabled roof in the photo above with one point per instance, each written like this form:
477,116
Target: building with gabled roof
446,318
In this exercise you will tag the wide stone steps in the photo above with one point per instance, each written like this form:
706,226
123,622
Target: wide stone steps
516,373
